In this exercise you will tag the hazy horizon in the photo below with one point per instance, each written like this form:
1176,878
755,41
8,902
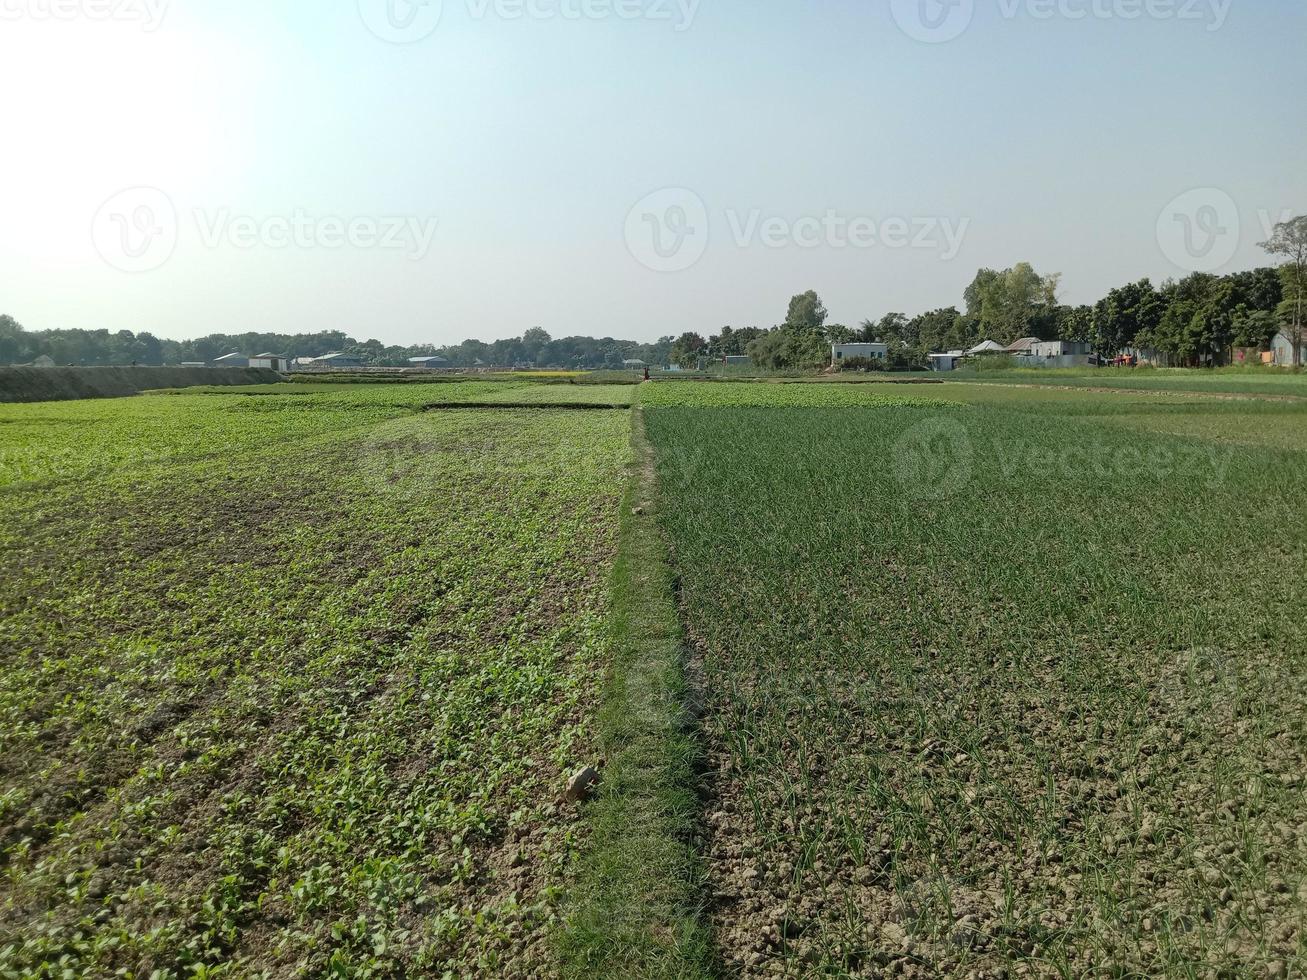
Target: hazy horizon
625,168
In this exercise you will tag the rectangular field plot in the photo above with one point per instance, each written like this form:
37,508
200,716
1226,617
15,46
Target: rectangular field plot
301,703
992,690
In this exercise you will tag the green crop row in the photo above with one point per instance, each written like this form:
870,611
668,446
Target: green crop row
991,687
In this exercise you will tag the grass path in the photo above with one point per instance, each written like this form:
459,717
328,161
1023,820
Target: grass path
638,909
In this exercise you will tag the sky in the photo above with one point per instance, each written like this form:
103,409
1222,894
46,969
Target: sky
428,172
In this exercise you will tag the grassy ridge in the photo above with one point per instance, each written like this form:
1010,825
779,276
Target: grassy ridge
991,689
638,895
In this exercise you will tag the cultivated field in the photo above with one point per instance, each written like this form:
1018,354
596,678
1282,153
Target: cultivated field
956,680
292,683
991,687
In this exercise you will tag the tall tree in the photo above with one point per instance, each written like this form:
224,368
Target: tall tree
1289,239
1013,303
806,313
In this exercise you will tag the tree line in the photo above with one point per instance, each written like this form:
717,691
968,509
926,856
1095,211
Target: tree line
105,348
1200,319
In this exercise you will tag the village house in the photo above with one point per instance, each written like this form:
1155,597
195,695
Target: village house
846,352
1282,348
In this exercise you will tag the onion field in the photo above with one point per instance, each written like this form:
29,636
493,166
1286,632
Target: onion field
921,680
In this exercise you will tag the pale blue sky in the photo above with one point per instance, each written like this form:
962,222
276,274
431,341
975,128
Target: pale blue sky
1034,135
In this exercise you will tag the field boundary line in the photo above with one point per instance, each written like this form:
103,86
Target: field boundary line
563,406
1185,392
637,906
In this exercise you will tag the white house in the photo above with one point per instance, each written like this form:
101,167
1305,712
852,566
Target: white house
1282,348
845,352
232,360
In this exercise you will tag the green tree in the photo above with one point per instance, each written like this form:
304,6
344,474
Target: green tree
806,313
1289,239
11,340
1125,313
687,349
1013,303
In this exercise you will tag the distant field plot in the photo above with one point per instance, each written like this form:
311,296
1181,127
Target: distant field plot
993,690
1162,379
63,440
725,394
618,396
298,697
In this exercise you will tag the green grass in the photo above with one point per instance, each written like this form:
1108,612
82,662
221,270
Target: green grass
994,688
639,889
299,694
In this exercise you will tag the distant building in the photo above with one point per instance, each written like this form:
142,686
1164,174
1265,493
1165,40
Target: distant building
428,363
846,352
1022,347
986,347
945,362
1282,348
276,362
336,360
1061,353
232,360
737,360
45,360
634,364
1060,348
